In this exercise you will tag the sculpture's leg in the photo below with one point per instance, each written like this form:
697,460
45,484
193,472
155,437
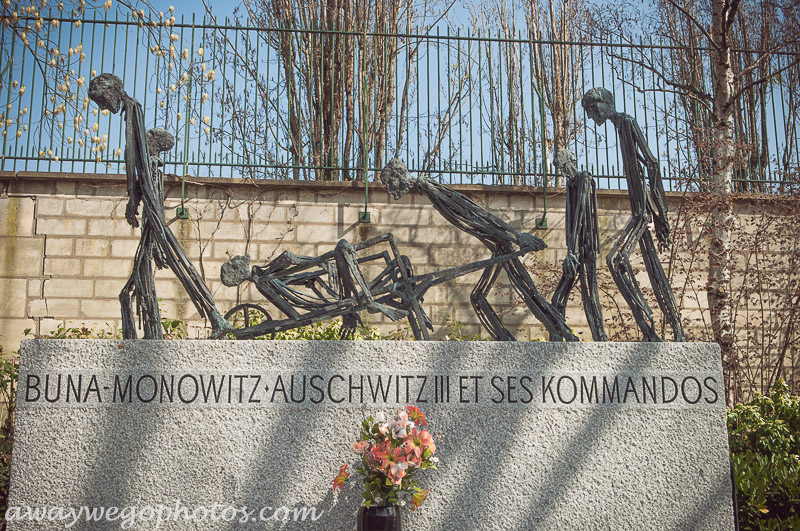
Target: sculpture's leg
128,324
545,312
661,287
141,284
619,264
591,297
146,297
589,243
569,273
488,317
568,277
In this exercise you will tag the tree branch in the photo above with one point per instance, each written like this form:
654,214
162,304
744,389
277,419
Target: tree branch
696,23
760,80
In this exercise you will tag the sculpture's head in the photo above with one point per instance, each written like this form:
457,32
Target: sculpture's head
566,162
397,179
107,91
158,140
598,104
236,270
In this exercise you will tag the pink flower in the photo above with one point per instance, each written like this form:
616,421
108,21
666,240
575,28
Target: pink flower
396,472
422,439
401,426
414,460
360,447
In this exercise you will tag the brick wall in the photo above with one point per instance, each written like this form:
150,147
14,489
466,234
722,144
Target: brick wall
66,249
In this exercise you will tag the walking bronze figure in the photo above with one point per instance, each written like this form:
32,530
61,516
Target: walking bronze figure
646,206
158,243
583,243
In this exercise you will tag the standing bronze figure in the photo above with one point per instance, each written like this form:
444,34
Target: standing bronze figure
646,206
158,243
583,243
499,237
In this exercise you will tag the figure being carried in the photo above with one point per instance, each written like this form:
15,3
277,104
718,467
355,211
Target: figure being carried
646,206
158,243
498,236
582,243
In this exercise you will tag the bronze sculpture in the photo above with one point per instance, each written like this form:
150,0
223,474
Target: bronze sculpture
647,205
582,244
157,243
499,237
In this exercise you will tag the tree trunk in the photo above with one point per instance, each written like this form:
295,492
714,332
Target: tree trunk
724,151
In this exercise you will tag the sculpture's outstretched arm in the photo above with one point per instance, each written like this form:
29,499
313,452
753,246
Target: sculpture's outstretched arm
656,185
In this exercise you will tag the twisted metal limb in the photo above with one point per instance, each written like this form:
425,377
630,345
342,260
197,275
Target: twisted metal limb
486,314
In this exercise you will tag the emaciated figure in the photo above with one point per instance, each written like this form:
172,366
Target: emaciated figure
646,206
498,236
158,242
582,243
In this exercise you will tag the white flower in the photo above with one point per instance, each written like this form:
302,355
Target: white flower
380,417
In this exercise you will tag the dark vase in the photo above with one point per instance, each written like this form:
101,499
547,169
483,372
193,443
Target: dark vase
378,518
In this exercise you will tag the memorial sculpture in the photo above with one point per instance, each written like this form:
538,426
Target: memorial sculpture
583,243
647,205
499,237
313,289
158,243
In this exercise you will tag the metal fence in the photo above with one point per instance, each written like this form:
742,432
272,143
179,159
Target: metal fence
312,104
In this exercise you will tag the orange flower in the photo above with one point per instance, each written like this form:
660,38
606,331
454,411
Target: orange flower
421,439
417,416
339,480
360,447
417,498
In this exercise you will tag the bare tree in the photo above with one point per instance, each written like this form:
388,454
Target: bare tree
557,64
336,93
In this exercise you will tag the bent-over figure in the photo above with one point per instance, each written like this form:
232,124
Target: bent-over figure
498,236
158,243
582,243
646,206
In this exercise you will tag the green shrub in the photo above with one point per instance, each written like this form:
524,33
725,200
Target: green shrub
765,451
326,332
9,369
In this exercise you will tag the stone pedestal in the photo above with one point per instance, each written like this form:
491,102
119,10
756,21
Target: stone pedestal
185,434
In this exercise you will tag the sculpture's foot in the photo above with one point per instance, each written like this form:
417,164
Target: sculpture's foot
220,328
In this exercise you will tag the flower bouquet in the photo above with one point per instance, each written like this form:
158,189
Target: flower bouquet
392,453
